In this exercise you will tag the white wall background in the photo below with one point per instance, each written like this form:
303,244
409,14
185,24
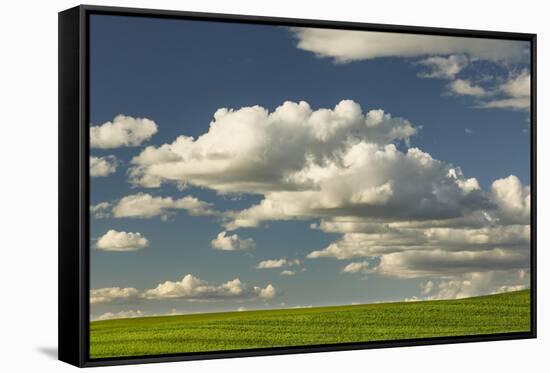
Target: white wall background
28,184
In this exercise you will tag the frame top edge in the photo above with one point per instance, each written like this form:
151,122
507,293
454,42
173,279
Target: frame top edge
302,22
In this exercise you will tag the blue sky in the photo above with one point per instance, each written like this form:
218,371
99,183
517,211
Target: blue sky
469,114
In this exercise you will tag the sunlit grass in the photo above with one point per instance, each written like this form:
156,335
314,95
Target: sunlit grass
502,313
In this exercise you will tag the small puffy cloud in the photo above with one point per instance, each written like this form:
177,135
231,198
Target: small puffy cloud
120,315
356,267
113,294
122,131
194,289
144,205
277,263
232,242
345,45
515,93
519,103
103,166
100,210
462,87
292,272
518,85
443,67
269,292
288,272
122,241
272,149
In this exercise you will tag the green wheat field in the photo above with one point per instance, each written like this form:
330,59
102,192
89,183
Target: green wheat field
501,313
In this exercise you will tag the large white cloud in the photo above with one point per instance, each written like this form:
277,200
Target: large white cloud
103,166
270,148
346,45
122,241
122,131
194,289
407,214
232,242
368,180
113,294
144,205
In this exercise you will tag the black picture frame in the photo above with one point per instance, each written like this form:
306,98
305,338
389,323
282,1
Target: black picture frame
74,247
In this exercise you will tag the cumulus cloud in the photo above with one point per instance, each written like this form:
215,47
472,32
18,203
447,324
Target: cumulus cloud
367,180
427,287
518,85
356,267
232,242
462,87
288,272
513,199
277,263
345,45
122,131
478,283
515,93
113,294
443,67
444,57
120,315
122,241
424,263
271,149
396,240
194,289
100,210
519,103
103,166
269,292
406,213
144,205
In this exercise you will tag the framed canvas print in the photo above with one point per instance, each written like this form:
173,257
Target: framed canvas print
238,186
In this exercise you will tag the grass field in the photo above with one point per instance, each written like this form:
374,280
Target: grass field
508,312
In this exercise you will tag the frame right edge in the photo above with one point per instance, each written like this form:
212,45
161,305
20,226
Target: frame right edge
533,125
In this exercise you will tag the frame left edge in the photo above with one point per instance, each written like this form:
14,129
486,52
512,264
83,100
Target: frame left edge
71,253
